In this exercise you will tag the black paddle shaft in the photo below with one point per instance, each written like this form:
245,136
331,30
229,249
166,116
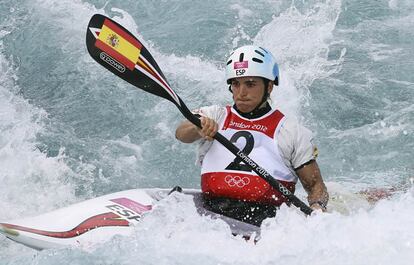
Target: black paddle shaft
119,51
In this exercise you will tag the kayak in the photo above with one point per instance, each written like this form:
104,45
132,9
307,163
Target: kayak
99,219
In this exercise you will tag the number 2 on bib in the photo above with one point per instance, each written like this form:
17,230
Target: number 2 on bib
237,162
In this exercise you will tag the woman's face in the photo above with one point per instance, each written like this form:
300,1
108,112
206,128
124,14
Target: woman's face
248,92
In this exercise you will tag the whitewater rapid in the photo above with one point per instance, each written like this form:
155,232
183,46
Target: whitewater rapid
70,130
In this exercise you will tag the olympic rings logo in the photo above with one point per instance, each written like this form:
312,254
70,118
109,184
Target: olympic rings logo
236,181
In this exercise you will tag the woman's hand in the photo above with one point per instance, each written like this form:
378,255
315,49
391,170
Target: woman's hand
208,129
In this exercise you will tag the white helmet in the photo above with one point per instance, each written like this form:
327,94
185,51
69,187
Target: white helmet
252,61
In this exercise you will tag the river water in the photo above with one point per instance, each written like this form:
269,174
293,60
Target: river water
71,130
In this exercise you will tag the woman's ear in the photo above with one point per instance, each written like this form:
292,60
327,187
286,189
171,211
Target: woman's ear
270,87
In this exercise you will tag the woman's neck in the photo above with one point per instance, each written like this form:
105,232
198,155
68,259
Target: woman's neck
256,113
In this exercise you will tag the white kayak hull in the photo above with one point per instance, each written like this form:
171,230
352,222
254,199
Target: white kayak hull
98,220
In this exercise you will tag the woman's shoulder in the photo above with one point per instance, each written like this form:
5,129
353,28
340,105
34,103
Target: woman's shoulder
292,126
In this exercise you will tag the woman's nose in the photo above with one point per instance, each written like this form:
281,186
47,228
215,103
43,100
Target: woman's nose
243,89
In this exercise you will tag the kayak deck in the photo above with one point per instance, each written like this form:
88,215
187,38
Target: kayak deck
97,220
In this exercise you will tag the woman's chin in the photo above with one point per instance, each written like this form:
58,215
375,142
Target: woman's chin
244,108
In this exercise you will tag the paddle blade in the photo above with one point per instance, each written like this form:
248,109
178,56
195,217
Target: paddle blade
115,48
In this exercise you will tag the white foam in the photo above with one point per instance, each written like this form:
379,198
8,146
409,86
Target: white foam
175,234
300,42
31,182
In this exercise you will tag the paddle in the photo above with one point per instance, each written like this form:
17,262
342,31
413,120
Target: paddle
115,48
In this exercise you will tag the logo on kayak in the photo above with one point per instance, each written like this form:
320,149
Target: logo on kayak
128,209
237,181
133,205
113,40
112,62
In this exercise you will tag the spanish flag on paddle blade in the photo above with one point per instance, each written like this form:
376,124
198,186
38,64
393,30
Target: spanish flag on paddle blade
118,44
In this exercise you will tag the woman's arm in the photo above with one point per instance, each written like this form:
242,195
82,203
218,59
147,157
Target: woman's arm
187,132
311,179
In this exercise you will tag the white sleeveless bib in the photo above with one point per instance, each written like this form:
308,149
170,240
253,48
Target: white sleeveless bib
224,175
